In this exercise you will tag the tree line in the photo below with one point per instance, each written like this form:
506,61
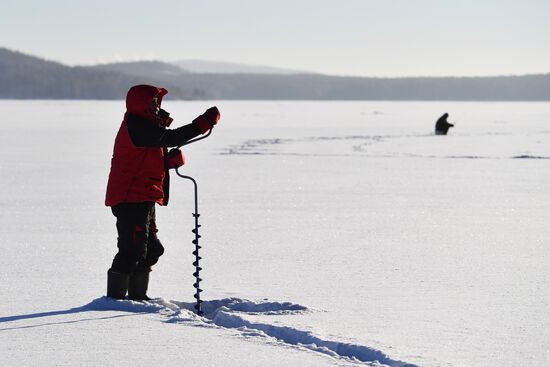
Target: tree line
28,77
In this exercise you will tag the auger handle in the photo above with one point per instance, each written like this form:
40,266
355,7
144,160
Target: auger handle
196,139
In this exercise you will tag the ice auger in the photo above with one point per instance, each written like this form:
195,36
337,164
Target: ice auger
196,215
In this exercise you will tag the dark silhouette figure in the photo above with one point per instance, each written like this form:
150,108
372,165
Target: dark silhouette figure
442,125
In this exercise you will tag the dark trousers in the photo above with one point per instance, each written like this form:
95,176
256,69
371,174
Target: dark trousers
138,245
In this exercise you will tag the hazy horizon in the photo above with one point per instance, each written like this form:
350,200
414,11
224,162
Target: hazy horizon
221,66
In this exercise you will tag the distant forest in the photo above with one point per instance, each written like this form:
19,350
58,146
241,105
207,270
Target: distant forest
28,77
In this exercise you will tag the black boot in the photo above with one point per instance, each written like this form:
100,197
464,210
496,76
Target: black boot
137,287
117,284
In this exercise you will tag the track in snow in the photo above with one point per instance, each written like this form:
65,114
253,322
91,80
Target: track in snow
231,313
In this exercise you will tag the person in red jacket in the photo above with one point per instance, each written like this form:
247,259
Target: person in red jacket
139,179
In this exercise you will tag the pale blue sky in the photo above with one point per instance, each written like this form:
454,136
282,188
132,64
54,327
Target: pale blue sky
345,37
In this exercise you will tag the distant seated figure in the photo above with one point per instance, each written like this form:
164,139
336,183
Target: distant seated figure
442,125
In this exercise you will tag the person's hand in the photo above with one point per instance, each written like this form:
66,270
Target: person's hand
165,118
208,119
176,158
213,115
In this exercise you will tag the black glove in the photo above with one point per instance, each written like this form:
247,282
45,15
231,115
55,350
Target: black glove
165,118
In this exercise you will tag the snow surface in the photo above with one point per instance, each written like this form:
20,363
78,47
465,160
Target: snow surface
334,233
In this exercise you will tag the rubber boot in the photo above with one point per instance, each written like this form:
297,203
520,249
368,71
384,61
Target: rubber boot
117,284
137,287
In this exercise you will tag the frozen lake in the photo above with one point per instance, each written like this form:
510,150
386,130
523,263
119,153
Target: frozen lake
381,236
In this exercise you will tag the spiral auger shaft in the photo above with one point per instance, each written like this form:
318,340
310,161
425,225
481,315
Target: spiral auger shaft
196,264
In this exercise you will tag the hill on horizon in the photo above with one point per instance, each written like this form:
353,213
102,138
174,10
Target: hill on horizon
29,77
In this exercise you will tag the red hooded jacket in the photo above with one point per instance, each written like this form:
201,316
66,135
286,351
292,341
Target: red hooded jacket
137,174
